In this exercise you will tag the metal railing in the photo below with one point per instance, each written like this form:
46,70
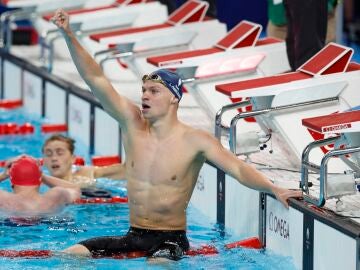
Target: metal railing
322,169
47,39
121,51
268,110
8,18
219,127
114,56
306,165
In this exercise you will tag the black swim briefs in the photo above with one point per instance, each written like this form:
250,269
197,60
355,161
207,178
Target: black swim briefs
157,243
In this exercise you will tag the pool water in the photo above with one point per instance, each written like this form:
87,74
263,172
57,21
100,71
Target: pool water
79,222
11,146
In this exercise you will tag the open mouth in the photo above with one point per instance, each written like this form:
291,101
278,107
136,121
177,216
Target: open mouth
55,167
145,106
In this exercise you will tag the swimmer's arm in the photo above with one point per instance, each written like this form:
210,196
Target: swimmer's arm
62,195
52,181
118,106
4,175
244,173
115,171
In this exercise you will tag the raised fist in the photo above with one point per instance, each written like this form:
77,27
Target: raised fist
61,20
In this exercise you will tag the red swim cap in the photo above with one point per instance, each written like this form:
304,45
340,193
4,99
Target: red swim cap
25,172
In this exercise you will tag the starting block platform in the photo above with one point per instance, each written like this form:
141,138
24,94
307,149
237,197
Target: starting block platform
344,134
326,84
238,55
186,27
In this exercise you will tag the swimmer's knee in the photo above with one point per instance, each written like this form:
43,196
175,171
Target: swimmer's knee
78,250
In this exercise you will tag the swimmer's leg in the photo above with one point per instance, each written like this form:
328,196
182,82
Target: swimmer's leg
103,246
78,250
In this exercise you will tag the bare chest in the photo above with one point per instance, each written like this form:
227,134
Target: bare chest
168,160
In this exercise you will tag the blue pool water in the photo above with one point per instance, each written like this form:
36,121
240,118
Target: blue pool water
30,144
79,222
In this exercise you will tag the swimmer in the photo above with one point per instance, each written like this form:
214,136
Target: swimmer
58,155
25,200
58,158
163,159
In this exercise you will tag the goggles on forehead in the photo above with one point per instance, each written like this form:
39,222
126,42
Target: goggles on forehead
169,79
153,77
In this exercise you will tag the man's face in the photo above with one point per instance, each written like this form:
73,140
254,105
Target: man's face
156,99
58,158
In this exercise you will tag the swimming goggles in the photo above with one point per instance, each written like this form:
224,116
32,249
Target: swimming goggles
154,77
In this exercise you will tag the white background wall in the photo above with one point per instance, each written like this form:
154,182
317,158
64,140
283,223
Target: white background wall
32,95
241,208
107,137
79,119
55,103
13,81
333,250
284,231
205,193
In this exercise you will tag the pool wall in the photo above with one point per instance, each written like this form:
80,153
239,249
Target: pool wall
314,238
61,102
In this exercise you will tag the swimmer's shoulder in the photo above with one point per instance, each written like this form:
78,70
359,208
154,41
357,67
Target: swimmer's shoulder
58,196
84,171
196,135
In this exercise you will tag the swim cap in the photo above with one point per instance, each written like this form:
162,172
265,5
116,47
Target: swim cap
170,79
25,172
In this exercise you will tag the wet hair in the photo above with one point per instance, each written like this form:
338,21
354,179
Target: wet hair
59,137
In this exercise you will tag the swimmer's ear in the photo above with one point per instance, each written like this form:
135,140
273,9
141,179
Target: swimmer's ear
174,100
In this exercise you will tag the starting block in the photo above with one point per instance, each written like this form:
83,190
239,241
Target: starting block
92,20
29,10
345,130
238,55
186,27
326,84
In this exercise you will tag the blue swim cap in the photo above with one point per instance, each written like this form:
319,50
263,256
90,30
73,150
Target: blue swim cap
170,79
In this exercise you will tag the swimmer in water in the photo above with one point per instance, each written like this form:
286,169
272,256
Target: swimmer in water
163,159
25,200
58,156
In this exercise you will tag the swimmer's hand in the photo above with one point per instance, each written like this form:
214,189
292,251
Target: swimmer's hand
61,20
283,195
7,165
4,175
